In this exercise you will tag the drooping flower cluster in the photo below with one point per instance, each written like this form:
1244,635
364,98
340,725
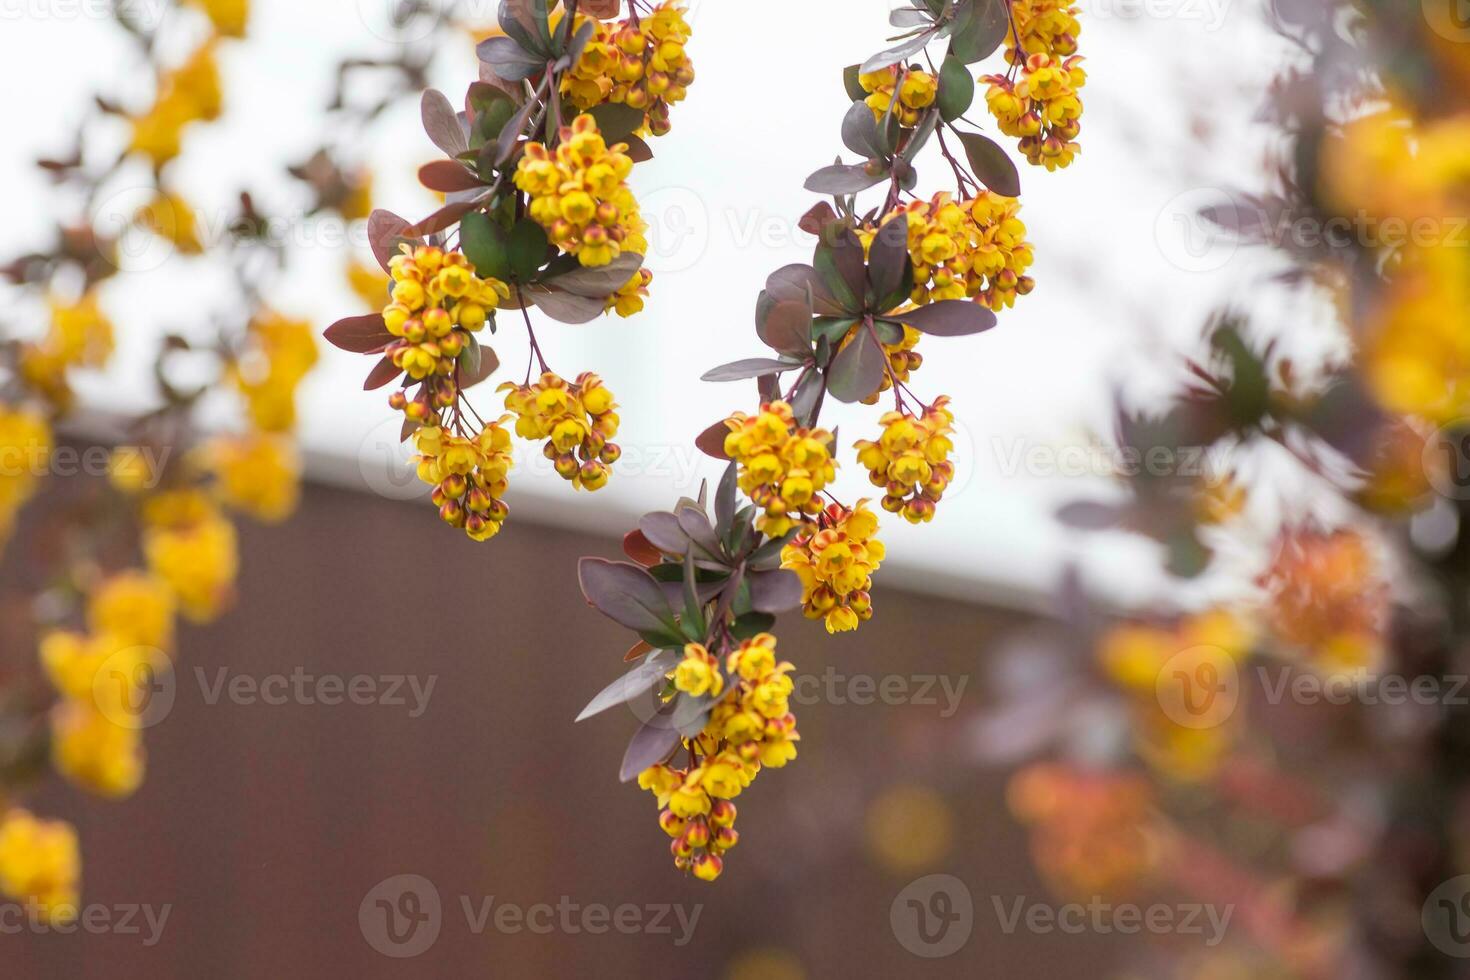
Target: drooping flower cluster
25,446
974,249
187,94
1091,831
80,335
40,863
915,91
579,195
1180,696
192,546
783,466
576,420
637,62
438,304
910,460
278,354
750,727
469,476
835,562
1326,598
258,474
1041,107
1394,172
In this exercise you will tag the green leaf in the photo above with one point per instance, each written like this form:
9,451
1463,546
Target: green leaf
616,121
527,249
857,370
956,89
850,82
752,624
980,30
486,245
991,164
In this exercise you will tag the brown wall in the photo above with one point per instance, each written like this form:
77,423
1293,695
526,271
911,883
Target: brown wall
264,827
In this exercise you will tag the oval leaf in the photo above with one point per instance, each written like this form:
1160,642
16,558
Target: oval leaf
359,334
442,124
948,318
385,230
751,367
384,372
446,176
857,370
775,591
991,164
625,593
632,684
842,178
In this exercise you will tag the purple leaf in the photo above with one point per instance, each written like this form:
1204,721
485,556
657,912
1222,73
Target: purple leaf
359,334
625,593
632,684
651,744
442,124
844,178
785,325
384,372
385,230
1089,515
857,370
991,164
800,283
775,592
662,530
888,257
751,367
948,318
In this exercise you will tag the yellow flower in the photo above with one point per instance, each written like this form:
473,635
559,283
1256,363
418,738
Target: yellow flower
369,283
25,447
278,353
698,673
835,563
643,65
257,474
690,798
135,607
577,420
470,476
228,16
94,752
40,862
1041,106
199,562
80,332
774,452
171,218
579,195
910,460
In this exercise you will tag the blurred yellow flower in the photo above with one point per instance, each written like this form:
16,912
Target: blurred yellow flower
40,862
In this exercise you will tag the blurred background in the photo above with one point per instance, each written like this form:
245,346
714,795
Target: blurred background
367,763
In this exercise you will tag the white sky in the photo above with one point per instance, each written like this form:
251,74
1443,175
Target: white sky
1120,283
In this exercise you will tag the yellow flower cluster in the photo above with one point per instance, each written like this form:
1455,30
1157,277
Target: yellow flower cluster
40,862
80,335
191,546
25,447
576,420
640,63
973,249
438,302
171,218
228,16
277,355
1093,833
1184,710
916,91
1326,598
1042,107
579,195
910,460
628,300
783,466
835,563
258,474
469,477
750,727
188,94
1410,179
96,737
